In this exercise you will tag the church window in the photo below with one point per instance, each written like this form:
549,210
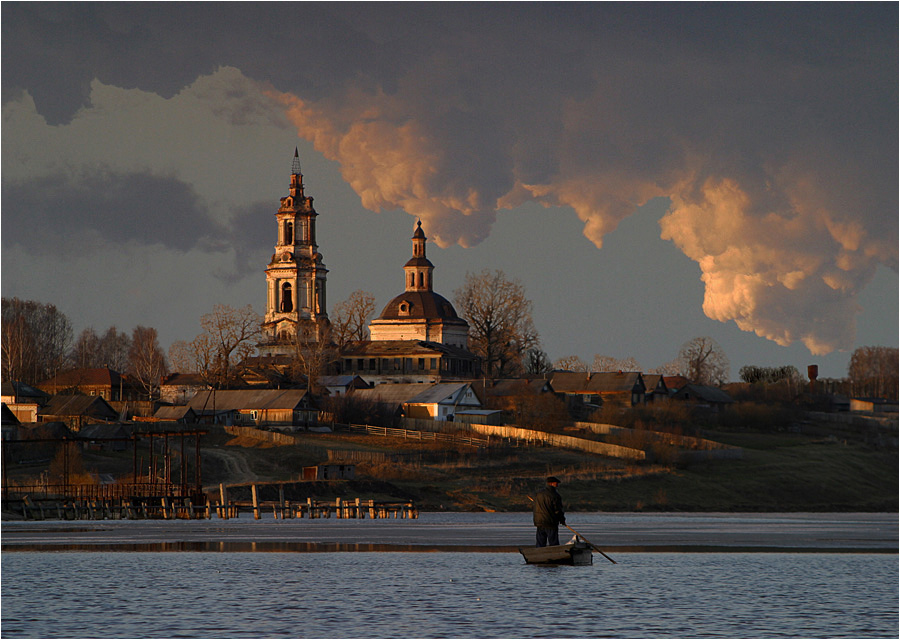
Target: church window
421,279
288,232
287,298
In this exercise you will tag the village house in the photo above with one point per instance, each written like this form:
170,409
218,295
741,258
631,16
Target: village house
585,392
655,388
437,401
77,411
23,400
343,385
101,382
253,407
179,414
179,388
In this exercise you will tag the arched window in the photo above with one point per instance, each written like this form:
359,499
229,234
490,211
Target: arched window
287,298
288,232
421,279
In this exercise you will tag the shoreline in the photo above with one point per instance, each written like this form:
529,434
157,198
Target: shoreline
472,532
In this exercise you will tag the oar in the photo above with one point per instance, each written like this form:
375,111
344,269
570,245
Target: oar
596,548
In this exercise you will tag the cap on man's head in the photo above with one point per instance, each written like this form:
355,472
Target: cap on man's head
552,479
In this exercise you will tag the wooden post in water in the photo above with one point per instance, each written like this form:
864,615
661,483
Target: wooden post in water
253,492
309,508
338,509
223,501
281,500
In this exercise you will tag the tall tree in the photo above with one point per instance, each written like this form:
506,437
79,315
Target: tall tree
571,363
350,318
703,361
35,340
92,351
312,356
873,372
228,337
501,330
147,362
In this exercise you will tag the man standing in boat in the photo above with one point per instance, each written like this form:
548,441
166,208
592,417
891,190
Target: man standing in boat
548,513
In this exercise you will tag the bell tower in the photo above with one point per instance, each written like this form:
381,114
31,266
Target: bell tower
296,275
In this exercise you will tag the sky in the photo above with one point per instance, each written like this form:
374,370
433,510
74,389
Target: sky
650,173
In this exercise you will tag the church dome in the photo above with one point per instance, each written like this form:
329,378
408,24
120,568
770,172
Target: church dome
419,305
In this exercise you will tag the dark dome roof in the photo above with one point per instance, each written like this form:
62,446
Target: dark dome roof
419,305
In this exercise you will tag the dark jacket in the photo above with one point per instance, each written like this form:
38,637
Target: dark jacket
548,508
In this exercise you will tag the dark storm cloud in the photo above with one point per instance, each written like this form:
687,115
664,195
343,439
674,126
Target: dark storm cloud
58,216
771,127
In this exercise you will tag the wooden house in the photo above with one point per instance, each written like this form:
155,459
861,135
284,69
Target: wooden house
656,389
179,388
437,401
106,437
589,391
77,411
252,407
702,396
102,382
342,385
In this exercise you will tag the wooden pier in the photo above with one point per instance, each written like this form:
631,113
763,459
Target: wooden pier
99,505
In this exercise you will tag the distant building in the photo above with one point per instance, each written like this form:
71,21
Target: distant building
77,411
252,407
295,276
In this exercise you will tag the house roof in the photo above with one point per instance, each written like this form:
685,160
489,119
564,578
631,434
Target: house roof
654,382
674,383
184,379
173,413
246,399
22,391
341,381
600,382
104,431
78,405
85,377
411,393
706,394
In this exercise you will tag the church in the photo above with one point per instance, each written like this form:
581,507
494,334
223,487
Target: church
418,337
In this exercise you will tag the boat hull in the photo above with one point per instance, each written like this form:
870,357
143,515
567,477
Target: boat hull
576,554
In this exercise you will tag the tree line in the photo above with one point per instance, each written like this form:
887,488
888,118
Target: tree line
37,343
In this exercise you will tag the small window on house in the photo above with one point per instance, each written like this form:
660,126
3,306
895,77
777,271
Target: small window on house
371,364
360,363
253,414
434,363
421,364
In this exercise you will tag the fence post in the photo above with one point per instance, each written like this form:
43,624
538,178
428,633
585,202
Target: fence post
223,502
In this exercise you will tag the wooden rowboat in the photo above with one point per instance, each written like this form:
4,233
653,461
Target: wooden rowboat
577,553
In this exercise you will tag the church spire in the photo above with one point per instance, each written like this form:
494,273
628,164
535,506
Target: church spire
418,269
295,165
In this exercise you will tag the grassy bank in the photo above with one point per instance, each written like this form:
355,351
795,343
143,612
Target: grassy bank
779,472
819,470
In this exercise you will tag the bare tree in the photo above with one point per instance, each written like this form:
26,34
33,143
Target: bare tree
147,362
182,358
350,318
703,361
537,362
608,363
501,330
312,356
35,342
571,363
109,350
228,338
873,372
